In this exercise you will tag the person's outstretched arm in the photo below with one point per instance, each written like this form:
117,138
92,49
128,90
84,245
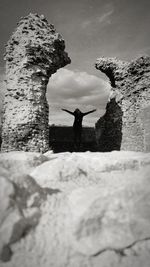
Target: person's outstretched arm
68,111
91,111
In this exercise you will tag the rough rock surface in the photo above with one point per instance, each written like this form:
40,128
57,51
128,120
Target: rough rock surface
34,52
20,198
126,124
18,162
79,209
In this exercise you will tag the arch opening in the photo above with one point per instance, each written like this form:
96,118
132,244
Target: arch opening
75,89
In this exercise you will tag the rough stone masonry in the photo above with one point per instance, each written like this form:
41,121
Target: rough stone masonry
34,52
126,123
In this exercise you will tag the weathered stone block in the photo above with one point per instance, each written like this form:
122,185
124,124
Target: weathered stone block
125,123
34,52
75,210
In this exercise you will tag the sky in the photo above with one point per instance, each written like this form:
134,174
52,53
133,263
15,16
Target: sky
91,29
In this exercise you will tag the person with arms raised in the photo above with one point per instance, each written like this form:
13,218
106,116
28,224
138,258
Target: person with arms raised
77,125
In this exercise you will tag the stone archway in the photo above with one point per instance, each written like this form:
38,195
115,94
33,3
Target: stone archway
34,52
126,124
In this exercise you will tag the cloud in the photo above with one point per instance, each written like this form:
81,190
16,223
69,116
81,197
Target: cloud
75,89
102,19
86,24
105,18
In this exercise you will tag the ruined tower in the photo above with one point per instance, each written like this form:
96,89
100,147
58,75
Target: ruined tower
126,123
34,52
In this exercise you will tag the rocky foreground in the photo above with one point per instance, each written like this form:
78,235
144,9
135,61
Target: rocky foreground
75,209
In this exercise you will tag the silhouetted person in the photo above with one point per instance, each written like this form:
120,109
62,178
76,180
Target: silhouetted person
77,125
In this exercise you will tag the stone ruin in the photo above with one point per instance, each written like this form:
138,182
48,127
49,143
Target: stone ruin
34,52
126,123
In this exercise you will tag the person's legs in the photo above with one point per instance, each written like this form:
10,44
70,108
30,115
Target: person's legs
77,137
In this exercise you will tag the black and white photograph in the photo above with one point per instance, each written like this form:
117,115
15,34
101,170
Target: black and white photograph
74,133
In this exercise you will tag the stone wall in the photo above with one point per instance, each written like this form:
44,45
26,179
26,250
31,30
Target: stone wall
34,52
109,128
126,123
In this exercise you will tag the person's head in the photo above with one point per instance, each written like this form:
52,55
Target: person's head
77,111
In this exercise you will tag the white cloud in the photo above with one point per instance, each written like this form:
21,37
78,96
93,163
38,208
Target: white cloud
73,89
102,19
86,23
105,18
